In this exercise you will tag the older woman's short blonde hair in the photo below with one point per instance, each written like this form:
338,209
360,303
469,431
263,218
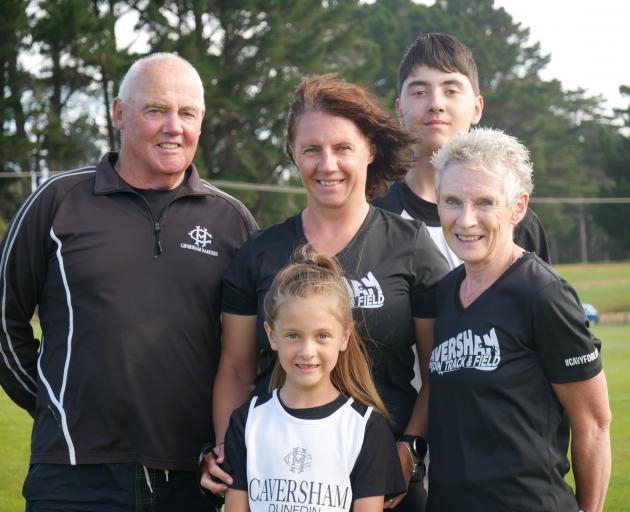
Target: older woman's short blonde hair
489,150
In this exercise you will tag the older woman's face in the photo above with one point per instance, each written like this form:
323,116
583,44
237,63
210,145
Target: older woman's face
475,214
332,155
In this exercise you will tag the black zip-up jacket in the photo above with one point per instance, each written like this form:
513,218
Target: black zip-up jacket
130,312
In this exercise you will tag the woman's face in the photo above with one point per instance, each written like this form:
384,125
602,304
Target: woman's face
476,217
332,155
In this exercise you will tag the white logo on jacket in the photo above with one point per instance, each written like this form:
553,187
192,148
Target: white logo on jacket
202,237
365,293
466,350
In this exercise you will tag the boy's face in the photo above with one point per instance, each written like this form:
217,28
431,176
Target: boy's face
435,105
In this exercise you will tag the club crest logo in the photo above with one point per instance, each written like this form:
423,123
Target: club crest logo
298,460
202,237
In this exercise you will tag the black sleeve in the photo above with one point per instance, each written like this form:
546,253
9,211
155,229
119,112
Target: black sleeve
530,235
428,266
377,470
239,282
567,349
24,251
235,450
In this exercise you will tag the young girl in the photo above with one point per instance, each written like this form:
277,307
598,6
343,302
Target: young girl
319,441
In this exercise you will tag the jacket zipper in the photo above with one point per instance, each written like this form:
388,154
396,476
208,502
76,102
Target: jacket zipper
158,246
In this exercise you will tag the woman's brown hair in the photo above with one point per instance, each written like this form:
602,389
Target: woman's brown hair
331,94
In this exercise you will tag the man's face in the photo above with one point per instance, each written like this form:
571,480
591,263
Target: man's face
160,122
435,105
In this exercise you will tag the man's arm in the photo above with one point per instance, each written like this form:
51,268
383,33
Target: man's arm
23,263
586,403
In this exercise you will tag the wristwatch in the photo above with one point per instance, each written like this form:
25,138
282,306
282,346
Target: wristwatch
205,450
417,444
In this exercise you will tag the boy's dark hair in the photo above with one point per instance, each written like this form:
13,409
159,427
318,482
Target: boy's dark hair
439,51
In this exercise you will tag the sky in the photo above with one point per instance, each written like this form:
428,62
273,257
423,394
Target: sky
588,42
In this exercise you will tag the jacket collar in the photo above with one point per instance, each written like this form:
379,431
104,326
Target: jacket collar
108,181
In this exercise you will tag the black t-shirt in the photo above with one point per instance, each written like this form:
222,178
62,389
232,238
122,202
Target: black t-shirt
375,471
498,434
158,200
528,234
390,266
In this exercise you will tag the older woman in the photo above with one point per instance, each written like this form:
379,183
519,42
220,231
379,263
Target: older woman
346,148
514,366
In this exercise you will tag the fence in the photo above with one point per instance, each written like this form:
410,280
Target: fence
573,224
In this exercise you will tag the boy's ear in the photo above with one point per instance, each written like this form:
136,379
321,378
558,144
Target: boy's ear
478,110
272,340
399,111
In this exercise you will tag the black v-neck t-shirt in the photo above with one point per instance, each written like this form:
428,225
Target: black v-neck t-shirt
391,266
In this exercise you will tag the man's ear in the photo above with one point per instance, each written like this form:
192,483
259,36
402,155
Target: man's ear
117,114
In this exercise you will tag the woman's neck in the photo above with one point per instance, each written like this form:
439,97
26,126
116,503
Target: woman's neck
330,230
479,277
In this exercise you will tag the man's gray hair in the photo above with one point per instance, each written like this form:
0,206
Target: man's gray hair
489,150
136,67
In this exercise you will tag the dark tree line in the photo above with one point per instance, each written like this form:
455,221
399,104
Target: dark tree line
61,64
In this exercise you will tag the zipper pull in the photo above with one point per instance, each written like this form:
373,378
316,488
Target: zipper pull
158,245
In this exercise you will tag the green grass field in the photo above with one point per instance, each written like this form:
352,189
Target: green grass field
606,286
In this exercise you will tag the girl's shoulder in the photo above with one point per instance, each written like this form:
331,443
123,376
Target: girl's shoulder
240,414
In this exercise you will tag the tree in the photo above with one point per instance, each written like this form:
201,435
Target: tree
614,151
15,146
549,120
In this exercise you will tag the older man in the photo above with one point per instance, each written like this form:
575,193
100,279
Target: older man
124,261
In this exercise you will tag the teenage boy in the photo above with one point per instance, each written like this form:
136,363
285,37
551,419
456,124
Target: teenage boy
438,97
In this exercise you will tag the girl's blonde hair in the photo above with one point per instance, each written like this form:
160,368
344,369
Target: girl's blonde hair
312,273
